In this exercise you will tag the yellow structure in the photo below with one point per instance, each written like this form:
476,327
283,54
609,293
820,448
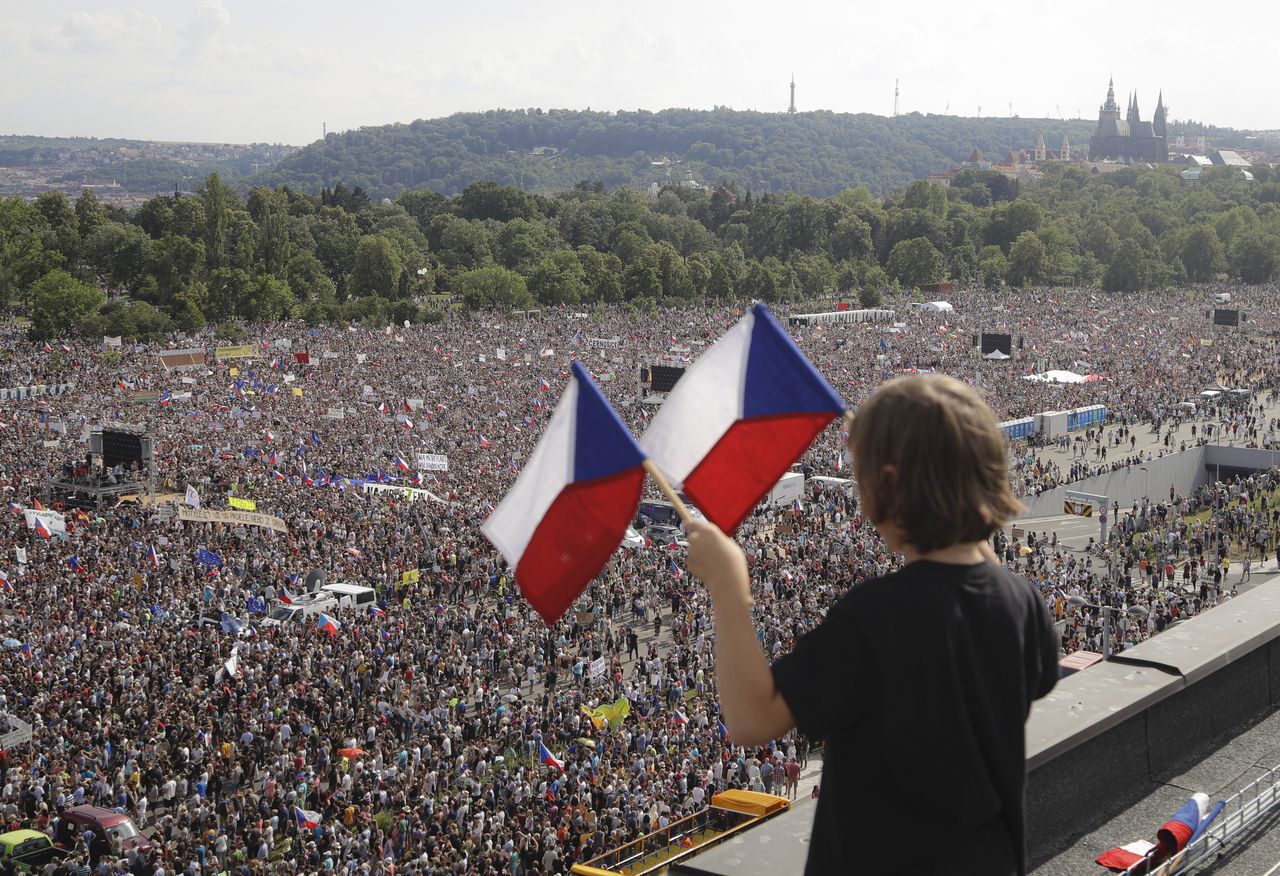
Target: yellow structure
654,853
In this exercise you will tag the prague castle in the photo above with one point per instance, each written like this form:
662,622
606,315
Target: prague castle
1129,139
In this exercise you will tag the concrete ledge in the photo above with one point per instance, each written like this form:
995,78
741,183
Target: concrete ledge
1108,736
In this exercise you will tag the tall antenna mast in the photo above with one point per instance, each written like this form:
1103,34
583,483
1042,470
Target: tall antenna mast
895,98
324,130
791,109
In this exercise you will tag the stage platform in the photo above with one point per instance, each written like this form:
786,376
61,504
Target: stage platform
89,492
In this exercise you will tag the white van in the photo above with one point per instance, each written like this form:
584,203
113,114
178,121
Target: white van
302,608
351,595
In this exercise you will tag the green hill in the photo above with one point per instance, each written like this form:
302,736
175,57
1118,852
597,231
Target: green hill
816,153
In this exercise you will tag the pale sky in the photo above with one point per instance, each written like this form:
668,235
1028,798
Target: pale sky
244,71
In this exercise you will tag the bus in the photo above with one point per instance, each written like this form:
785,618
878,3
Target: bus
729,813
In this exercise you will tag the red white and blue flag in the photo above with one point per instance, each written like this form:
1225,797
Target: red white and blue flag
570,506
739,417
41,529
307,819
401,464
676,570
548,758
328,623
152,557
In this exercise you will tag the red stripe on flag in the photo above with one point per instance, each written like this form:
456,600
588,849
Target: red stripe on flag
576,537
747,462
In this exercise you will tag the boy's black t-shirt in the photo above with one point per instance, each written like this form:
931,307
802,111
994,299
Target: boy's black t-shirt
920,683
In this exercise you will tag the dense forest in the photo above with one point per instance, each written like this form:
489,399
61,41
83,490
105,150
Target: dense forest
813,153
185,261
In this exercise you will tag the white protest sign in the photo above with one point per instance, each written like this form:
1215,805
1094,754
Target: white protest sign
432,461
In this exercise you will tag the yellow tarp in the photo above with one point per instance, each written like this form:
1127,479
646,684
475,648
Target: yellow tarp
749,802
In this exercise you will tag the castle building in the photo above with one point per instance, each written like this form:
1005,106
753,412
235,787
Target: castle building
1129,139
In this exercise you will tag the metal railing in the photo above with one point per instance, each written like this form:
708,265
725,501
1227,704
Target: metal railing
1242,812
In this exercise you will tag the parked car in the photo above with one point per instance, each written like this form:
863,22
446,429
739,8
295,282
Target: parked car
27,851
107,827
662,534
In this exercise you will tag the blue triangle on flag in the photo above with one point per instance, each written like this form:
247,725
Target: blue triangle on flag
602,445
780,380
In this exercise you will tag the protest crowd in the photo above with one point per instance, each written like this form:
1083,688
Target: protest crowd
409,737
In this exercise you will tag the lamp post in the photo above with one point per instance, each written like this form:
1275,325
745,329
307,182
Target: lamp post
1134,611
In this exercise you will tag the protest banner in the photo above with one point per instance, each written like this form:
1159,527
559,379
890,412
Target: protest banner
235,351
242,504
246,518
52,520
432,461
410,493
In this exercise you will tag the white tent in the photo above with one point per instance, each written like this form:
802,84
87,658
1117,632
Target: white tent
937,306
997,355
1056,377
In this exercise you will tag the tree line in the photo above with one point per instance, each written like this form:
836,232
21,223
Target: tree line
817,153
184,261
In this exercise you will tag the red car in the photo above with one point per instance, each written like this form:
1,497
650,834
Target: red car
107,827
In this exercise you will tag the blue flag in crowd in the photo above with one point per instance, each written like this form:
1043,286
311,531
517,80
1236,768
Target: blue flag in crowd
208,558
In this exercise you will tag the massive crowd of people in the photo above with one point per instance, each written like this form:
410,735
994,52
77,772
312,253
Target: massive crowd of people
408,739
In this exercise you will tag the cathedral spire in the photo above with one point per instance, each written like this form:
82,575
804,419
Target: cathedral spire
1158,120
1111,105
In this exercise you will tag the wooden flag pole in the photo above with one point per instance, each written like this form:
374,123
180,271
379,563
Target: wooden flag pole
682,510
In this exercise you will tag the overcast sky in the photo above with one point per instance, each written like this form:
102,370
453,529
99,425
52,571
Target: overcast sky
273,70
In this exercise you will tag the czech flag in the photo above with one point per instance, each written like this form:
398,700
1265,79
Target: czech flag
739,417
4,582
15,508
1124,857
74,562
1188,823
277,474
270,436
42,530
165,398
548,758
152,557
408,409
484,442
408,424
375,611
681,718
328,623
676,571
307,820
570,507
